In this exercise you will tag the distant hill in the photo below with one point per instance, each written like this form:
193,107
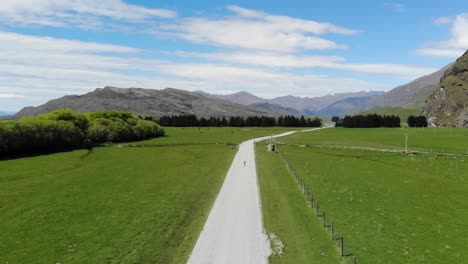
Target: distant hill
302,105
170,101
344,106
410,96
244,98
6,114
313,105
275,109
145,102
448,105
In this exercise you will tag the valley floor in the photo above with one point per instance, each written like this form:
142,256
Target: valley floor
141,202
391,207
147,202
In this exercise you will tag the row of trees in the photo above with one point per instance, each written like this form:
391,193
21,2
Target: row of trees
64,129
238,121
417,121
370,120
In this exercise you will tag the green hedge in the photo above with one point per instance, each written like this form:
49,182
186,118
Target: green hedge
65,129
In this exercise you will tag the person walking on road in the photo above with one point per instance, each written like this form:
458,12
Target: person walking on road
244,163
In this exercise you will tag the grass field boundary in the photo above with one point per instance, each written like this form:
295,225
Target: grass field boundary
314,204
174,145
391,150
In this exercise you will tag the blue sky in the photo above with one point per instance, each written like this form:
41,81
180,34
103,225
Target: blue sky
51,48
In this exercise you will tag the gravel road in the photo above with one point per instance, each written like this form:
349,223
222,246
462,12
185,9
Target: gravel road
233,232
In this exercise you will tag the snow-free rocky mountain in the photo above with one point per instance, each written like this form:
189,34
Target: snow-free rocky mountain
275,109
170,101
347,105
329,105
411,95
256,102
145,102
448,105
6,114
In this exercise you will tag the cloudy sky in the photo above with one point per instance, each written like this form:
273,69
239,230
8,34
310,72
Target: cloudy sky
50,48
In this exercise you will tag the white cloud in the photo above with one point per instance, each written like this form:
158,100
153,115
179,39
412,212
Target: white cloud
300,24
42,68
264,82
45,67
459,33
442,20
278,60
266,59
10,96
75,13
399,70
251,29
455,46
397,7
440,52
10,40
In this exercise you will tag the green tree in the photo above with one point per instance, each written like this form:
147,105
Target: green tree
99,130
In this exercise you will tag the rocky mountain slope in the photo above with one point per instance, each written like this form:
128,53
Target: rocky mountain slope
275,109
411,95
244,98
295,105
313,105
448,105
345,106
151,102
145,102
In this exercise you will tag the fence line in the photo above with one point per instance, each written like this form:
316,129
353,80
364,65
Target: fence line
321,215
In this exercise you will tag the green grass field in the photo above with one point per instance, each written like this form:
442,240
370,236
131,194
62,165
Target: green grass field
287,215
447,140
390,207
214,135
117,204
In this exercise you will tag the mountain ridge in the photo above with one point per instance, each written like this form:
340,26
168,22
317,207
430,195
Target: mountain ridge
172,101
447,106
145,102
302,105
411,95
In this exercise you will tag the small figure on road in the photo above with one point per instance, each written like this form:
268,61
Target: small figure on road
244,162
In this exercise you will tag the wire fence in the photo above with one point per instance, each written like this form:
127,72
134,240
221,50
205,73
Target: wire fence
314,204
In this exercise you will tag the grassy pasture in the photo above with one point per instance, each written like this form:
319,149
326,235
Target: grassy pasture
214,135
287,215
390,207
117,204
447,140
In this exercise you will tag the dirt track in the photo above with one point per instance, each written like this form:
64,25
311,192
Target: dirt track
233,232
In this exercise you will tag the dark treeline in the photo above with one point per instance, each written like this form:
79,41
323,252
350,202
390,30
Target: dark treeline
370,120
64,130
238,121
417,121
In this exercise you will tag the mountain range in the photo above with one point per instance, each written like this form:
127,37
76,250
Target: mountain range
411,95
144,102
442,93
170,101
6,113
307,105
